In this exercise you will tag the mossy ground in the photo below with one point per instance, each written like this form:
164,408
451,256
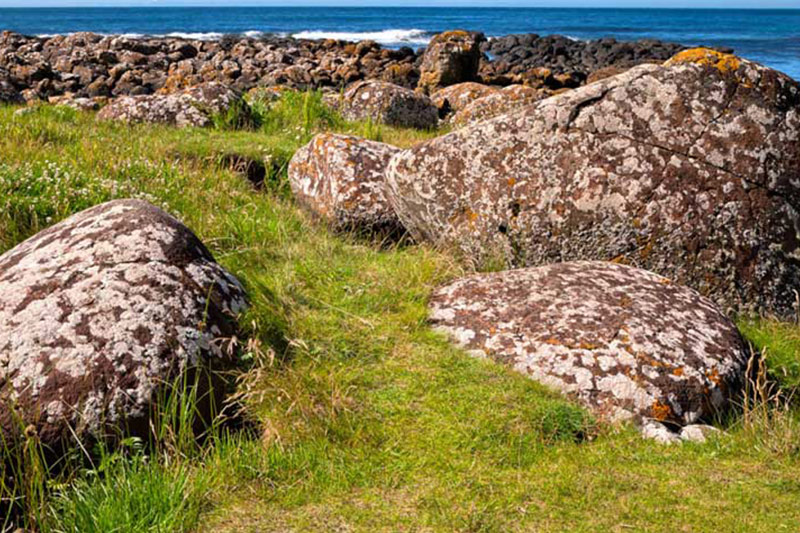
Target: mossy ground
362,418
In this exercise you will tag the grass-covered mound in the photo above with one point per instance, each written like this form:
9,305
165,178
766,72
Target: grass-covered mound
358,416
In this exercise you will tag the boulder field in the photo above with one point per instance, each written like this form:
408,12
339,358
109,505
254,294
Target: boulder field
689,169
90,65
99,314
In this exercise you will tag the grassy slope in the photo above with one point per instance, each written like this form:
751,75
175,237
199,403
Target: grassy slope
366,420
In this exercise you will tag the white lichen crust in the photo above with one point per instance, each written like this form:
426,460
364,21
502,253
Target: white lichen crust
623,341
100,311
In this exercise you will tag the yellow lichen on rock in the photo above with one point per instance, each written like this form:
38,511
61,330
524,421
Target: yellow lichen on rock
725,63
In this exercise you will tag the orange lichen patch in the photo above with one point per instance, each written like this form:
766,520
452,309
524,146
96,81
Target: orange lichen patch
665,281
451,34
492,330
553,341
473,216
713,376
512,182
660,411
677,372
588,345
625,301
645,252
725,63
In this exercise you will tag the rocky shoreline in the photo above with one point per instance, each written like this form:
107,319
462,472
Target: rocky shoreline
92,65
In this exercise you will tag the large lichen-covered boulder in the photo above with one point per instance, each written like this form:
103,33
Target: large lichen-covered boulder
456,97
195,106
501,102
451,57
689,169
625,342
100,313
388,104
341,179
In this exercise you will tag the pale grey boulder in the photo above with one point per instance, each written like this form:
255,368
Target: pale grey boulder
99,313
195,106
690,169
341,179
389,104
627,343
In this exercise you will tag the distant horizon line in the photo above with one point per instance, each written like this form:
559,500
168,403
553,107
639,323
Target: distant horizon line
187,6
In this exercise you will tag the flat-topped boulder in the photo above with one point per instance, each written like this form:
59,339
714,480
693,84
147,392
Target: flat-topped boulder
341,179
456,97
388,104
195,106
450,57
497,103
690,169
100,313
627,343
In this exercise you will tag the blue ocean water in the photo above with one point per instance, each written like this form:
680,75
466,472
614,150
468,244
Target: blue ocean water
771,37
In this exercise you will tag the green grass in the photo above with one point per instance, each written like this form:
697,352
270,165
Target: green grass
362,418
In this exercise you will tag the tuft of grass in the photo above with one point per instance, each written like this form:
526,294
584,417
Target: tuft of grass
128,496
780,342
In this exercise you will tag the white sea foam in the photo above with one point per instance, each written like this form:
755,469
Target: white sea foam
199,36
398,36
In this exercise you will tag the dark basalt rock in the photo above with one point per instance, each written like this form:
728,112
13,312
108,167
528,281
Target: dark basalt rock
8,92
625,342
98,313
690,170
515,54
341,179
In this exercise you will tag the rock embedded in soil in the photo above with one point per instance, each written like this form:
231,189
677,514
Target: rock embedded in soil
341,179
451,57
689,169
388,104
99,313
195,106
625,342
